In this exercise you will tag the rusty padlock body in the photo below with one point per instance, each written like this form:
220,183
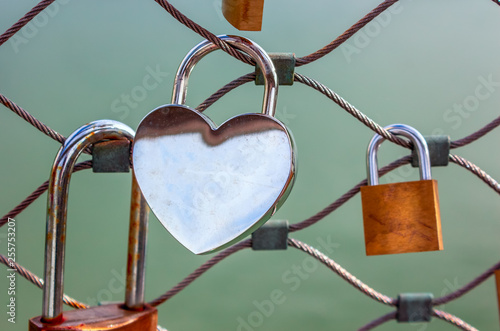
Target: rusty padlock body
134,314
401,217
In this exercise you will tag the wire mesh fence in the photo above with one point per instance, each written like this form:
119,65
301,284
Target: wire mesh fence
457,114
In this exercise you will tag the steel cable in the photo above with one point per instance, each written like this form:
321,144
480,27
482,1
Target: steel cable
346,106
346,35
351,109
31,119
193,26
379,321
200,271
36,194
34,279
226,47
476,135
294,243
24,20
344,274
300,61
453,320
346,196
481,174
224,90
467,288
204,32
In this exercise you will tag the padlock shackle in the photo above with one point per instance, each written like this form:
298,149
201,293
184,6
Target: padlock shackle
419,144
58,189
249,47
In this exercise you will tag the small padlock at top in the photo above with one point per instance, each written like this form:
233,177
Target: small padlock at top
401,217
134,314
210,185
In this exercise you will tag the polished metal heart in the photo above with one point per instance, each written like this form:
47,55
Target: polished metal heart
210,186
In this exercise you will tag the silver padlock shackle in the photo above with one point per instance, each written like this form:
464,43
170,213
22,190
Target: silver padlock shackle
419,144
58,189
246,45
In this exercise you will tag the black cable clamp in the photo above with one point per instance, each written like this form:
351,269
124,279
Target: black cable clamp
414,307
284,63
273,235
111,156
439,150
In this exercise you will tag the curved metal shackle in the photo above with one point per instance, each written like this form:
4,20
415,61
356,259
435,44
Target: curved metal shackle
246,45
404,130
58,189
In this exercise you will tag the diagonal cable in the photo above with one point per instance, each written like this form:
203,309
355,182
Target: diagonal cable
225,89
379,321
467,288
453,320
346,35
344,274
24,20
346,196
481,174
476,135
31,119
350,109
204,32
38,281
36,194
200,271
300,61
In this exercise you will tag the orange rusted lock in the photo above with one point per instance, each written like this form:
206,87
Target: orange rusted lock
497,280
244,15
401,217
132,315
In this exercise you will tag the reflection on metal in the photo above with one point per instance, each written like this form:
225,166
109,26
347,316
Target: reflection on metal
246,45
212,186
419,145
136,255
56,219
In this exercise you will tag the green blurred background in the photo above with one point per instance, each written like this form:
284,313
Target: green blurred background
412,65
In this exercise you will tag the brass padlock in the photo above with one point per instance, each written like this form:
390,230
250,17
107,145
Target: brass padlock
245,15
497,281
401,217
134,314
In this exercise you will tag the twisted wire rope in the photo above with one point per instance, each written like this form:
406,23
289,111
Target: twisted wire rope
37,193
379,321
200,271
31,119
476,135
468,287
204,32
343,273
34,279
346,196
24,20
453,320
481,174
346,35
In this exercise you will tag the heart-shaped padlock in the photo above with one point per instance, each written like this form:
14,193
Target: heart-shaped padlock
211,186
